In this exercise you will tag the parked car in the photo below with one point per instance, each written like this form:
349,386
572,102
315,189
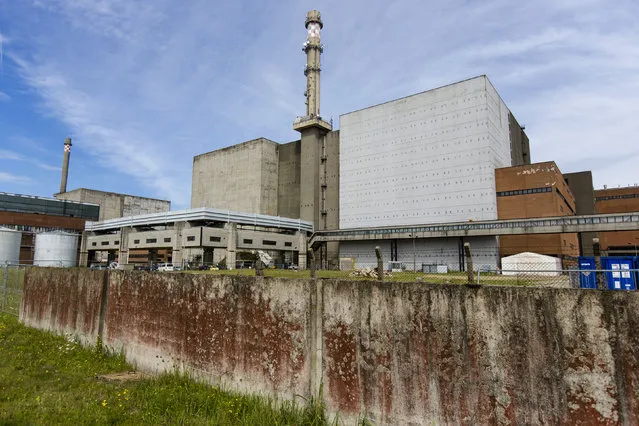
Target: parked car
166,267
98,266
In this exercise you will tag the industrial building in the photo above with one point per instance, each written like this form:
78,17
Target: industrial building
618,200
426,158
201,236
30,216
535,190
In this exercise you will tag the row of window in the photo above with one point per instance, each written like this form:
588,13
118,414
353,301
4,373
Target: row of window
267,242
192,238
524,191
616,197
105,243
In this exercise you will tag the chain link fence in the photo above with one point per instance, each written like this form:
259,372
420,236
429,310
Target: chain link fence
12,277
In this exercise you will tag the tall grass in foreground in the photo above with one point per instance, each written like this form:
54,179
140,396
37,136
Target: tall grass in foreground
47,379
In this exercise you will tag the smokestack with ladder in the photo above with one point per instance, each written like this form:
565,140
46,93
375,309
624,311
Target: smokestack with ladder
313,49
65,165
312,128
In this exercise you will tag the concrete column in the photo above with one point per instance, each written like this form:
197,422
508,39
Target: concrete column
123,256
303,249
231,245
176,256
84,252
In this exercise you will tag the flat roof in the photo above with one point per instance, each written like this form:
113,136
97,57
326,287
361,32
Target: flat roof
202,214
19,203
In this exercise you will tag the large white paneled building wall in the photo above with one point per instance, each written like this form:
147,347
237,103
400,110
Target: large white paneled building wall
426,158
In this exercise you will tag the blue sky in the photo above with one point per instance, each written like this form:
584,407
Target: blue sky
143,86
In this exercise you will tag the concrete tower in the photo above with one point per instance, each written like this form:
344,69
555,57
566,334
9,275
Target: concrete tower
65,165
311,126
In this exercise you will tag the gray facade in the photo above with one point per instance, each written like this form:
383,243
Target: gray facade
114,205
242,177
519,143
581,185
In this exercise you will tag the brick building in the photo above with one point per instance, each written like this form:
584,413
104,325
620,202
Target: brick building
618,200
535,190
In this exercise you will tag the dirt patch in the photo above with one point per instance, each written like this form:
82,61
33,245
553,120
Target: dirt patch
123,376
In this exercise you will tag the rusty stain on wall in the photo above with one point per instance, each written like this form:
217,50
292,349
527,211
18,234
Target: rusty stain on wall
398,353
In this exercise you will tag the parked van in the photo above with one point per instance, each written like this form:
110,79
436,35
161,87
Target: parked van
166,267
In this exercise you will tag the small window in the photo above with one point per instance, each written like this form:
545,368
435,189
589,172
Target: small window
117,243
269,242
151,240
190,238
94,244
216,239
288,244
248,241
167,240
104,243
136,241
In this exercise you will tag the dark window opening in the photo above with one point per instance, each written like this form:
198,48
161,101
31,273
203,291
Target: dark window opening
94,244
136,241
151,240
269,242
190,238
104,243
216,239
167,240
247,241
288,244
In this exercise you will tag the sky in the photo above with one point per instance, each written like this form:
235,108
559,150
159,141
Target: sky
143,86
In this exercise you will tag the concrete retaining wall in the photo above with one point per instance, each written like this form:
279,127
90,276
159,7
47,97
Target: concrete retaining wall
400,353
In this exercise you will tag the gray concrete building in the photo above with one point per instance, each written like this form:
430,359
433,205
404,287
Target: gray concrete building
425,158
114,205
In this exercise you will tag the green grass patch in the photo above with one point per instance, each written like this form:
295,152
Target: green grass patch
48,379
406,276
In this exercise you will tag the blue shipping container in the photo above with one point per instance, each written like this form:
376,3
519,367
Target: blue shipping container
620,276
587,279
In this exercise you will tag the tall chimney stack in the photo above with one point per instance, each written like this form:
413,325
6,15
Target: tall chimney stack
65,165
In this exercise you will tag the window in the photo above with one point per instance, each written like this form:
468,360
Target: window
190,238
151,240
94,244
524,191
104,243
269,242
288,244
167,240
117,243
248,241
136,241
215,239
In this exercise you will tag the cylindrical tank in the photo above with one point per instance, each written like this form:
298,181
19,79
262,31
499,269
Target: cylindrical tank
56,249
9,246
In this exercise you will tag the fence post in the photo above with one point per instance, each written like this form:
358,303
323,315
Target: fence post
380,264
259,268
596,249
4,286
469,263
311,255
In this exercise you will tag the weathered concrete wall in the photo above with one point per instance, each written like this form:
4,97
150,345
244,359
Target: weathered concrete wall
412,353
249,334
401,353
64,301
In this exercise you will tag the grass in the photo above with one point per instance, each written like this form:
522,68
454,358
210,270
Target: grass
447,278
47,379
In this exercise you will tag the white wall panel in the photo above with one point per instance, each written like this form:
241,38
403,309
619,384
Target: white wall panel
427,158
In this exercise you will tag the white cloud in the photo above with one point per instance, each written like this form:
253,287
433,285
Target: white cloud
9,177
144,86
14,156
4,97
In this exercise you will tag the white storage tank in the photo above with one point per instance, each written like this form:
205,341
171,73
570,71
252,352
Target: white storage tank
56,248
9,246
